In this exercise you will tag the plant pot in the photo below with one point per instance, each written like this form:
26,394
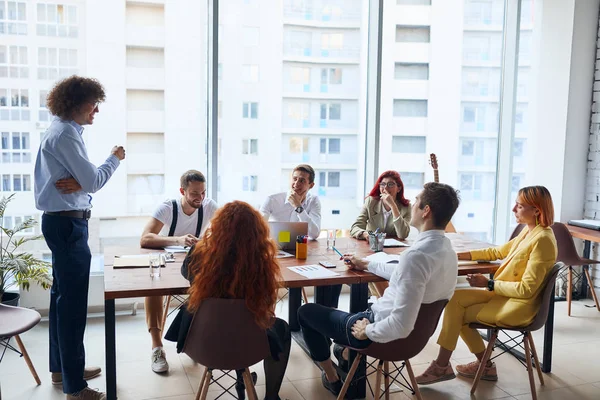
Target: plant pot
11,299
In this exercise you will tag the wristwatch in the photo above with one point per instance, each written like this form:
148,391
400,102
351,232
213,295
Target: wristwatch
299,209
490,285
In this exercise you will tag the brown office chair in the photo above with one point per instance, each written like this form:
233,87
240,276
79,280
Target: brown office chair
517,230
567,253
527,342
399,350
224,336
13,322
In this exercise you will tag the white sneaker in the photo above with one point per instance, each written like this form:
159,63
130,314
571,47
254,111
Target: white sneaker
159,360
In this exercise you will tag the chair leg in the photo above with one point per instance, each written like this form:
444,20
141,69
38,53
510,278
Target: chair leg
484,360
28,360
304,296
529,366
591,286
569,289
535,358
206,385
349,377
413,381
378,381
202,383
386,370
249,385
165,312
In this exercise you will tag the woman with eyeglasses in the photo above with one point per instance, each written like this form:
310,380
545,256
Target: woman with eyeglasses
385,209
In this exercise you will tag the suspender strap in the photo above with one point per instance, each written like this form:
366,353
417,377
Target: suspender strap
200,218
174,220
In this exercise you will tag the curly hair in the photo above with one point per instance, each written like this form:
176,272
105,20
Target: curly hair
69,94
376,192
236,260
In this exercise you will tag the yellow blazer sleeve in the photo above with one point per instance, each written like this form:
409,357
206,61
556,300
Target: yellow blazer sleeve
493,253
360,225
401,224
540,262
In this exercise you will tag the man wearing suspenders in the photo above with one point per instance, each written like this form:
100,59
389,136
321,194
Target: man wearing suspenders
175,223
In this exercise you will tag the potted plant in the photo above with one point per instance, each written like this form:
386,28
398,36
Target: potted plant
18,268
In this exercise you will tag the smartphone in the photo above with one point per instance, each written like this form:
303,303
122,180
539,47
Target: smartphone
327,264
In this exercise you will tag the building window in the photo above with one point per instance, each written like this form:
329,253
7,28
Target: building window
300,43
15,107
412,34
329,146
250,183
479,12
409,144
13,17
516,183
329,179
299,112
298,145
57,20
332,41
249,73
413,180
411,71
56,63
21,183
13,62
250,110
43,113
410,108
250,36
331,76
300,75
6,183
468,148
17,150
518,146
331,111
249,146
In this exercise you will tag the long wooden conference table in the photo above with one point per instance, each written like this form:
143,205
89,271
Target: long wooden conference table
122,283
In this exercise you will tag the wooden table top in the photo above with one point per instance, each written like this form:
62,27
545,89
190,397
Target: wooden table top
584,233
136,282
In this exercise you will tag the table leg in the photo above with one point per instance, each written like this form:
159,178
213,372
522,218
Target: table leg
587,247
294,302
359,296
111,349
548,338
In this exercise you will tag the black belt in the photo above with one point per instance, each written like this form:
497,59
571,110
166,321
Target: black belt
82,214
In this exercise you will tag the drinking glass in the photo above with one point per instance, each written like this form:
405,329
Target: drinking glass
154,261
331,234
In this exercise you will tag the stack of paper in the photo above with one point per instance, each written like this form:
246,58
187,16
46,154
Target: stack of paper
383,257
132,261
176,249
313,271
393,243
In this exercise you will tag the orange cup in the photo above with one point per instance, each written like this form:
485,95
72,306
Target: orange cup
301,251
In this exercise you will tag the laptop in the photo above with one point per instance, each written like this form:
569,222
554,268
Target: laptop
586,223
285,233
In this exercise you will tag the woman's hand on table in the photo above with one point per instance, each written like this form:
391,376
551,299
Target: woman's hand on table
477,280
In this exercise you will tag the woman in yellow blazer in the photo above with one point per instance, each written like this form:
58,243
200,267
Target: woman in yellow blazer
385,208
512,298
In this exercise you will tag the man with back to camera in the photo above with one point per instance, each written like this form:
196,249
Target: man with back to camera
63,179
424,274
298,205
175,223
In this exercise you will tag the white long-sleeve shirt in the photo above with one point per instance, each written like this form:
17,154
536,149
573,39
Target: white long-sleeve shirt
277,208
424,274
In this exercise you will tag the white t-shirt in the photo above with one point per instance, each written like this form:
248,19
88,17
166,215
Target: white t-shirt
186,224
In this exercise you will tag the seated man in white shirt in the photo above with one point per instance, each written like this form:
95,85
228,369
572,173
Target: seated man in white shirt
298,205
425,273
177,222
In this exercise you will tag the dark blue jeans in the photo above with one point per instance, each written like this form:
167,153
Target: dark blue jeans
320,324
67,238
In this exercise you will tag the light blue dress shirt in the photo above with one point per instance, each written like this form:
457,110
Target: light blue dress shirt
62,154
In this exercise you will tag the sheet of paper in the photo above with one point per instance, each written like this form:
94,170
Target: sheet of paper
383,257
313,271
393,243
591,222
176,249
131,261
284,236
283,254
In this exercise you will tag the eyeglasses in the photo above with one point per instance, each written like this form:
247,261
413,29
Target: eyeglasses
389,185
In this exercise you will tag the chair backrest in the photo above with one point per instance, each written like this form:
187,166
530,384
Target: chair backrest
567,252
404,349
516,232
16,320
223,335
547,293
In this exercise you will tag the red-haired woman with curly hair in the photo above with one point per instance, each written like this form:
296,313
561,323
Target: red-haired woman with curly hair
385,208
236,260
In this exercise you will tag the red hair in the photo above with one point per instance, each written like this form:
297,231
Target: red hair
539,197
236,260
376,193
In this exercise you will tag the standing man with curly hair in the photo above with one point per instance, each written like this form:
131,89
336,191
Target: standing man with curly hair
64,179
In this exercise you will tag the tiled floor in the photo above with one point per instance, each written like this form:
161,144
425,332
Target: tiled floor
575,373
